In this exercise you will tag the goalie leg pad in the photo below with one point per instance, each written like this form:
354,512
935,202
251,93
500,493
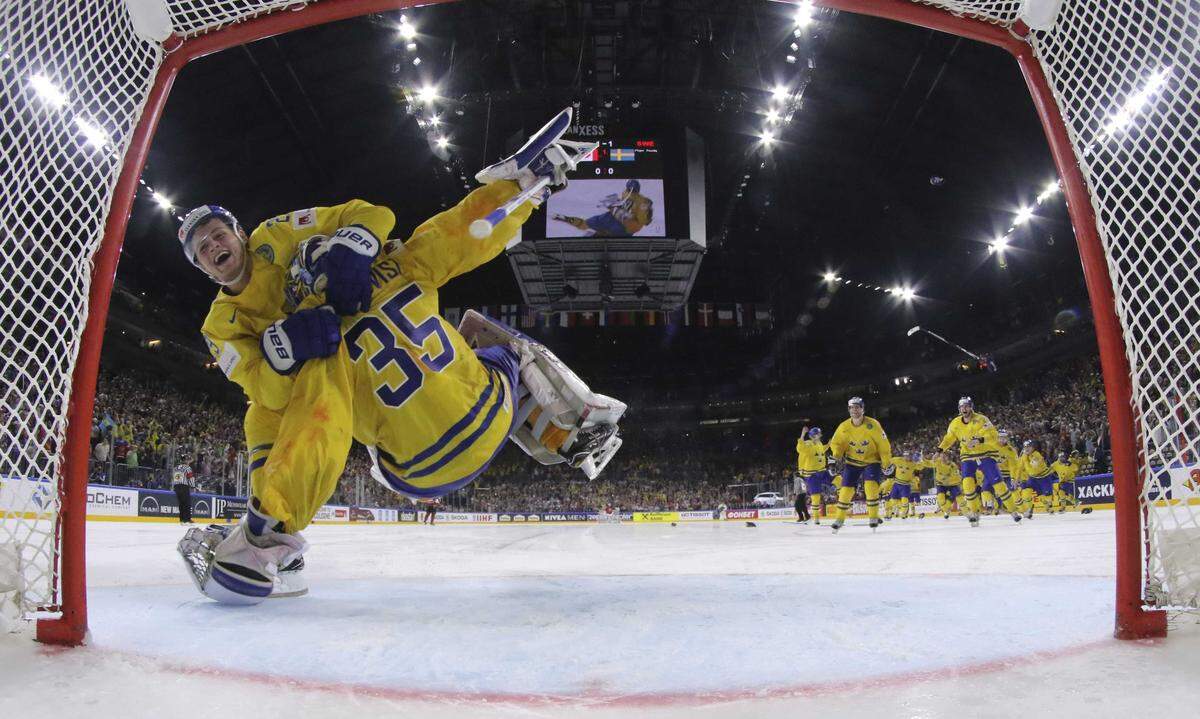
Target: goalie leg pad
233,565
564,400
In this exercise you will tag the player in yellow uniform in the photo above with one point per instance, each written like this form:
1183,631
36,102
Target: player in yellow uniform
1039,479
333,333
987,500
1007,461
1064,488
977,448
811,465
625,214
864,447
947,480
902,490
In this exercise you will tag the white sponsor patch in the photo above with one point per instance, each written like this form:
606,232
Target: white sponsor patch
229,359
304,218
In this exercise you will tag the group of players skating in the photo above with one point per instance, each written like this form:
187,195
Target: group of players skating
990,477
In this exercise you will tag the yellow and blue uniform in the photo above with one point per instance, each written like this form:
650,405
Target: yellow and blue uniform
431,411
906,473
866,449
811,465
1039,480
1064,488
947,481
978,446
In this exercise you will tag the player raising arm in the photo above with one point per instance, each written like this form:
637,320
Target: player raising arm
978,446
432,404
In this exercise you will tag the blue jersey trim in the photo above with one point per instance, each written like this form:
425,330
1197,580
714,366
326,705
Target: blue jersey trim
454,430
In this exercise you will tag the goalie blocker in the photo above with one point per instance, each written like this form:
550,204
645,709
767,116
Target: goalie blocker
551,395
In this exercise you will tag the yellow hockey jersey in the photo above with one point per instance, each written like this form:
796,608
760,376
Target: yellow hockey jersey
945,474
1006,459
907,472
976,438
413,389
810,456
1065,471
862,444
1033,466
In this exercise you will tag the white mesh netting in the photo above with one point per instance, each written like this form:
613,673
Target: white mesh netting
1127,78
1125,74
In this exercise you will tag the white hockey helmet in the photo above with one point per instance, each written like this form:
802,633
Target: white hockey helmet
855,402
966,402
197,217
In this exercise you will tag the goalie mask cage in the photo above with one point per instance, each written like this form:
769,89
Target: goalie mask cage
1116,85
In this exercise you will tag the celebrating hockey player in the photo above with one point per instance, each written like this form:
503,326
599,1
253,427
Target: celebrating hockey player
978,445
624,215
1039,480
811,466
334,333
947,480
861,442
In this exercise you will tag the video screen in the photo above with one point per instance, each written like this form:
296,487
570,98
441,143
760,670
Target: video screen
617,192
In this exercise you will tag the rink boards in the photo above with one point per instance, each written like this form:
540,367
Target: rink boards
106,503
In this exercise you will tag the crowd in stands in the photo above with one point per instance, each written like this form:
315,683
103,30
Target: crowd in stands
143,426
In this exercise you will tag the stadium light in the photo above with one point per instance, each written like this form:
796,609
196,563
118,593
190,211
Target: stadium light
1025,214
1000,244
829,277
907,294
772,116
442,142
416,61
47,90
780,92
1135,102
407,31
162,200
804,14
427,93
767,137
434,120
914,330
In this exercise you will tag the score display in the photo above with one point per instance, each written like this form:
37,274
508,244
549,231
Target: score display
617,192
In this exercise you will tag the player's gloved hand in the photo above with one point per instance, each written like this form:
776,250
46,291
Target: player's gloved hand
346,266
301,336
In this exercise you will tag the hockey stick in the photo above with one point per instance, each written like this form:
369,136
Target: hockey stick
482,229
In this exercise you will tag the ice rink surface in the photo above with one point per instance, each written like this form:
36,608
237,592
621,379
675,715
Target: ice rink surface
925,618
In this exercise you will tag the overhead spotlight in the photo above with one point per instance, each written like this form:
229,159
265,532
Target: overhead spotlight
47,90
635,104
772,116
1025,214
442,142
416,61
407,31
794,47
767,137
790,59
896,290
434,120
608,103
780,92
427,93
1000,244
411,47
829,277
804,14
163,201
907,294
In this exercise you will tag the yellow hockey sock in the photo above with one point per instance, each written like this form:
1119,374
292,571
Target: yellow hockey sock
1006,497
845,496
871,490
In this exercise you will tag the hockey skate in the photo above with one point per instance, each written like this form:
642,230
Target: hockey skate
544,156
837,525
874,524
198,549
1016,517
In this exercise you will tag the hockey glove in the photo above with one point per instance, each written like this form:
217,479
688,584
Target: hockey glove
347,269
304,335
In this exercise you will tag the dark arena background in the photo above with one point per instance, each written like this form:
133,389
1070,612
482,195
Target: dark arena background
924,206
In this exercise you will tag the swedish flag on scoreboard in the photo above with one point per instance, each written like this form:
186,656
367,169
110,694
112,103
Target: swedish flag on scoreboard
621,154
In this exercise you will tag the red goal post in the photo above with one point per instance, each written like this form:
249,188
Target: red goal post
1078,73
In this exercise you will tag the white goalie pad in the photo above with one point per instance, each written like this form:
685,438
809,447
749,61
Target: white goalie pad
565,400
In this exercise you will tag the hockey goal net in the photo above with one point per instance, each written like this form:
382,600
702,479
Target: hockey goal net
1117,85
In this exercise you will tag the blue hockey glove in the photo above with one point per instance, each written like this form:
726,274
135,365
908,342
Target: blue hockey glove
301,336
347,269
